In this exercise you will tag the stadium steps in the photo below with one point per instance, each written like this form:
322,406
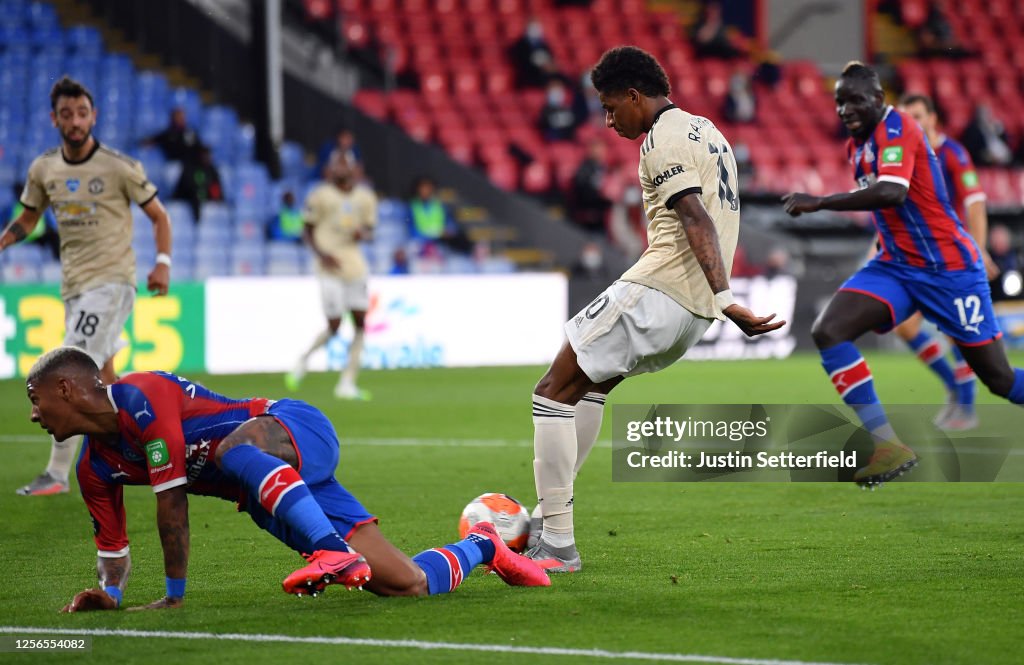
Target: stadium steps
74,12
530,258
688,11
892,41
493,234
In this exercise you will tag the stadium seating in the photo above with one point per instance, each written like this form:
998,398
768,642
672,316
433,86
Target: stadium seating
227,238
467,102
992,30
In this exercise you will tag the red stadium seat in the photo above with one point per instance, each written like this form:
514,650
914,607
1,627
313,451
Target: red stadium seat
537,177
372,103
503,174
500,81
466,81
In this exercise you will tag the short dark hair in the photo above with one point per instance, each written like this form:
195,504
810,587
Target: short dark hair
62,359
68,87
857,71
626,67
918,98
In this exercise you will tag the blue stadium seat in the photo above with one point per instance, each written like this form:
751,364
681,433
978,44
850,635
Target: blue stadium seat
169,176
212,237
215,214
187,99
282,268
212,267
497,265
84,40
23,253
19,273
285,251
245,143
46,35
248,229
42,14
15,35
457,264
179,211
251,186
50,273
293,160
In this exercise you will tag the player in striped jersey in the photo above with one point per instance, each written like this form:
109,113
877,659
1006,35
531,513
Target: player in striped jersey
927,262
277,459
968,200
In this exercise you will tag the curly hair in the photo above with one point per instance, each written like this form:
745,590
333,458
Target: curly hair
626,67
68,87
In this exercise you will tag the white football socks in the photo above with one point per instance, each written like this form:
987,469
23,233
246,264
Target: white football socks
554,450
589,413
321,339
62,453
355,354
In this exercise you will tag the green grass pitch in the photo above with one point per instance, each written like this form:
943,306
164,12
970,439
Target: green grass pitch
921,573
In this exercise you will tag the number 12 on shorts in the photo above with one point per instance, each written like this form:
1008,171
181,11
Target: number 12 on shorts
969,309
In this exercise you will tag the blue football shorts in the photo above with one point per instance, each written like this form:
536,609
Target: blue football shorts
317,446
958,302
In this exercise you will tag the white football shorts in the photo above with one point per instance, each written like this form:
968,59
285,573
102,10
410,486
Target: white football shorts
94,319
632,329
340,297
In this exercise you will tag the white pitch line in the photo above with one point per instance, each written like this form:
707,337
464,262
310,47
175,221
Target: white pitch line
364,441
527,443
408,644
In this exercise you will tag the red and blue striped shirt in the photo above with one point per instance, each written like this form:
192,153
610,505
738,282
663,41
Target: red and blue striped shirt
924,231
169,429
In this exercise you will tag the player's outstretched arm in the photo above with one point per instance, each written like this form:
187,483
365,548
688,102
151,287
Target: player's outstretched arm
159,279
703,239
172,522
882,194
113,577
19,229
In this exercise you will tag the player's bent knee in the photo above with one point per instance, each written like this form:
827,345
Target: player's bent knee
998,382
824,334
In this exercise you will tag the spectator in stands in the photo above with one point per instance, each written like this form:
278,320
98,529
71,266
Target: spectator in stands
532,57
777,263
430,220
199,182
344,144
287,223
1006,258
399,262
740,105
558,117
769,69
590,264
986,139
744,165
177,141
1000,243
935,37
45,231
590,206
711,35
